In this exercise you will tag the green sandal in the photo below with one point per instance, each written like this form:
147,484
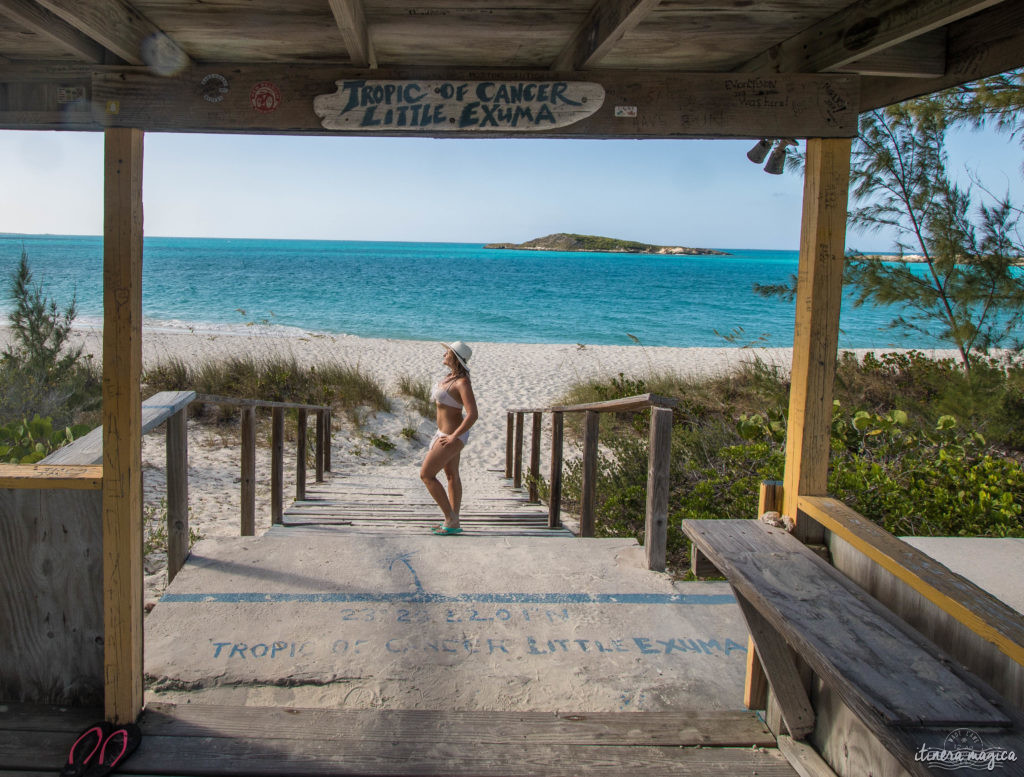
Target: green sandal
442,529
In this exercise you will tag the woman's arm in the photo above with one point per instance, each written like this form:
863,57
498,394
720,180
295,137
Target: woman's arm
468,404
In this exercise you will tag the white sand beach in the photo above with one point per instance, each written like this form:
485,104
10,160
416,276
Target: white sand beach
505,375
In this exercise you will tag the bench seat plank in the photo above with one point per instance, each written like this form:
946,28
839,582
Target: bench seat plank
879,665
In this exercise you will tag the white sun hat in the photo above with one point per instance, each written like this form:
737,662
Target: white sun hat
461,350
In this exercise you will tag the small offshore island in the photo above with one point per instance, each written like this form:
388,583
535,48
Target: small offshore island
593,243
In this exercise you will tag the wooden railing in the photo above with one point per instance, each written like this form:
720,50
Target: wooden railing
656,522
75,465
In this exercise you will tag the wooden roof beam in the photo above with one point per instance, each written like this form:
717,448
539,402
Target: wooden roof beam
860,30
984,45
36,18
122,29
603,27
351,21
920,57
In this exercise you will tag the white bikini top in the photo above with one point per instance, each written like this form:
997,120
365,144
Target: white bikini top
442,397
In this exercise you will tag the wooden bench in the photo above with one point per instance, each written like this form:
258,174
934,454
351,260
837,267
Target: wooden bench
906,691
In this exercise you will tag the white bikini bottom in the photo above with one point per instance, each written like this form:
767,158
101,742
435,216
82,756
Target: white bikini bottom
439,434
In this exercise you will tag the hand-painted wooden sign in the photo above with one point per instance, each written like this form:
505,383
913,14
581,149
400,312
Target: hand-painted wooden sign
457,106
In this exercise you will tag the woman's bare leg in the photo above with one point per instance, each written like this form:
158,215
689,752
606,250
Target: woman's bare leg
451,470
435,460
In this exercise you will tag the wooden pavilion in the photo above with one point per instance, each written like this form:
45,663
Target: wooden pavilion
531,68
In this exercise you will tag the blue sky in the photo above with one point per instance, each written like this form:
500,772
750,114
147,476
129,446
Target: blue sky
693,192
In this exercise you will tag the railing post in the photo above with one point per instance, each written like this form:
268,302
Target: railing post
658,459
177,493
588,485
248,471
517,465
300,457
535,457
327,440
555,497
509,434
320,446
277,466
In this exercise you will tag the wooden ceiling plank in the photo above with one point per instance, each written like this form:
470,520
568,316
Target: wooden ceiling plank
121,28
351,21
920,57
861,29
984,45
602,28
48,25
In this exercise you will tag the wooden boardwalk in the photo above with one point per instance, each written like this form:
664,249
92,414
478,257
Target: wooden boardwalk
372,500
212,740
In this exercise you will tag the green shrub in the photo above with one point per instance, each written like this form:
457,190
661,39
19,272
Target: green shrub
40,372
26,442
899,455
382,441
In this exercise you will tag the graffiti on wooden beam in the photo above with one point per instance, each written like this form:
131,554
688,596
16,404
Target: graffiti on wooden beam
457,106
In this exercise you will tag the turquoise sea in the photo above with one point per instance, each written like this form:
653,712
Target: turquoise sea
430,291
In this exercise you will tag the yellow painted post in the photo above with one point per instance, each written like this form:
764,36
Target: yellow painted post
816,334
122,424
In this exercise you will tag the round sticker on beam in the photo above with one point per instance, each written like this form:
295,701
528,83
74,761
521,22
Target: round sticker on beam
457,106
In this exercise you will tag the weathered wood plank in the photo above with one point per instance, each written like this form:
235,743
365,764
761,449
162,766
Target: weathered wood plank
351,21
88,449
39,476
777,659
721,728
51,599
177,493
603,27
214,399
51,26
972,606
517,454
122,424
555,490
920,57
248,472
123,30
658,460
816,333
509,436
881,666
859,30
667,105
588,477
804,759
300,455
534,457
989,43
276,465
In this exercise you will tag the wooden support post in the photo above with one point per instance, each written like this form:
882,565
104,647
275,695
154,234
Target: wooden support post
320,436
658,460
327,440
277,466
122,424
555,495
248,471
588,486
755,687
535,457
509,438
517,464
177,492
816,334
780,667
300,457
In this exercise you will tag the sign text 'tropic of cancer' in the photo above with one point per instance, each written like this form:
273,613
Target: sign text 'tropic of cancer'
457,106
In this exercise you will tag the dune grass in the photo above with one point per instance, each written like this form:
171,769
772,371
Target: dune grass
277,379
418,390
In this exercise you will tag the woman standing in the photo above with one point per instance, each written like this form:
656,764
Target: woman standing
452,394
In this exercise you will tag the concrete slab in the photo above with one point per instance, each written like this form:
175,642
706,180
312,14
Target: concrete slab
315,617
993,563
